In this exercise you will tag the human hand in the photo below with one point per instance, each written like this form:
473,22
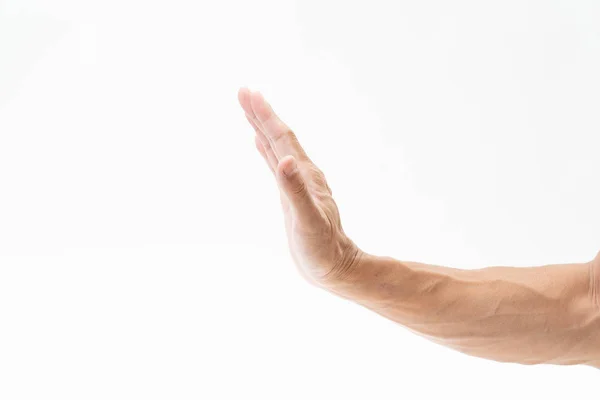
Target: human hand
319,247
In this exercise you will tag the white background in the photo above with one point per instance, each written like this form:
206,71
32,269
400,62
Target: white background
142,251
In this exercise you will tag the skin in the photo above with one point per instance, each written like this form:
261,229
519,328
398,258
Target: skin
546,314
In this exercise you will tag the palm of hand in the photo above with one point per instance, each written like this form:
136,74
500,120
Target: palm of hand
317,242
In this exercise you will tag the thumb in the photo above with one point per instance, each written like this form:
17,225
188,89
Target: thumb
295,188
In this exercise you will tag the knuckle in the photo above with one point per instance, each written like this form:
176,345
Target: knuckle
289,132
316,173
292,137
319,179
282,131
266,144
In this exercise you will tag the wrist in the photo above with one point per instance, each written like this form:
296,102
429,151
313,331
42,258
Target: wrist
346,265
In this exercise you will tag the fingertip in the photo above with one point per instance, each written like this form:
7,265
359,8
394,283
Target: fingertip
242,93
259,105
244,99
288,166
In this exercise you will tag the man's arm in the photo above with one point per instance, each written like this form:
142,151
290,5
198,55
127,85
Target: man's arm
547,314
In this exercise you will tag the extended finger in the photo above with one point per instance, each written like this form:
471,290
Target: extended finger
263,153
282,138
265,144
261,136
244,100
266,154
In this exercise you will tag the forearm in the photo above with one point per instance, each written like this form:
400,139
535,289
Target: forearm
532,315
